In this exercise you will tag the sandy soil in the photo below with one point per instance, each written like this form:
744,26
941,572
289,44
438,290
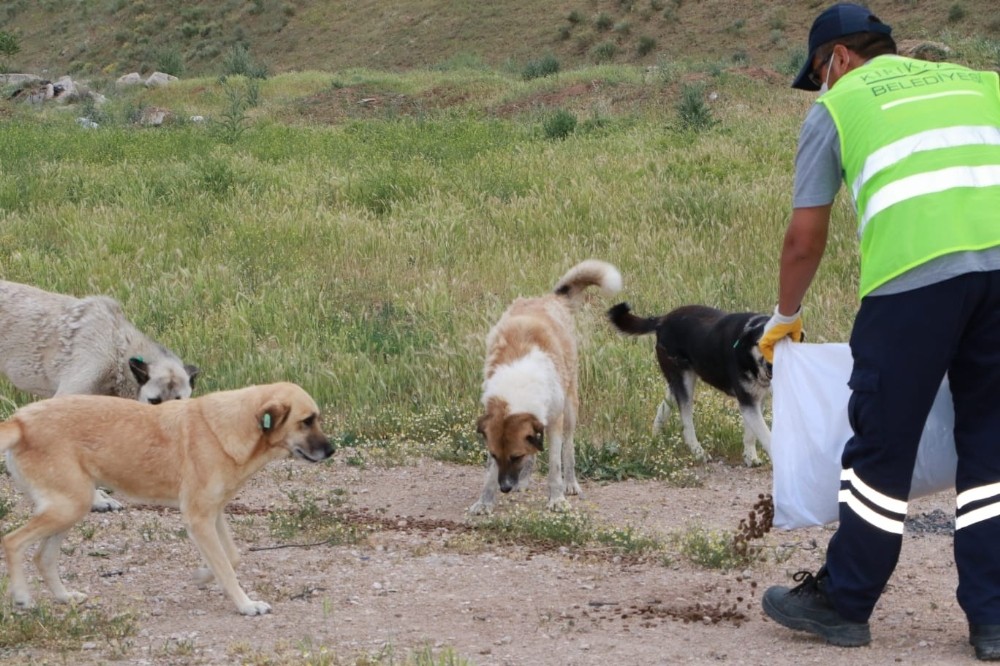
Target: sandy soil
418,579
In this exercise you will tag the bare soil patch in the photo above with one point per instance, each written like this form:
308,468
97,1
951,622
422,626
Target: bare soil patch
422,578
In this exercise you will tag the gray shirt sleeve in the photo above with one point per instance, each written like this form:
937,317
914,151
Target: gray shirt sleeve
818,168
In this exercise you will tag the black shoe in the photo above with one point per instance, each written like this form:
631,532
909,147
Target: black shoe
986,639
806,608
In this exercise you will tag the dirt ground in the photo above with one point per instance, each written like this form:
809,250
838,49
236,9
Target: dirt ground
416,582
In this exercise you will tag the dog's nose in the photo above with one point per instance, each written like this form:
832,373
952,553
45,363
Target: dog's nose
506,486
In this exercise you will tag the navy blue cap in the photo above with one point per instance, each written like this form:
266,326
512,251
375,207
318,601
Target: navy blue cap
838,21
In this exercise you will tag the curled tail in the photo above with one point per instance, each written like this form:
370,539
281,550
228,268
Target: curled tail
10,435
626,322
589,273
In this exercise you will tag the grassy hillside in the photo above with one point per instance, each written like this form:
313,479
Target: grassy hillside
113,37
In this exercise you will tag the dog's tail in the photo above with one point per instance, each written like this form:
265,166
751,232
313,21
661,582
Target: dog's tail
10,434
589,273
626,322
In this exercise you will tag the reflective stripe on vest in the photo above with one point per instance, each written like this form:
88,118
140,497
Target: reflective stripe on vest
921,153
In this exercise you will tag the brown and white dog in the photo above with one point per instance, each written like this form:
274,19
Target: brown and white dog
530,393
192,454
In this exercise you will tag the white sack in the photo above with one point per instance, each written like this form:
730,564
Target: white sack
810,429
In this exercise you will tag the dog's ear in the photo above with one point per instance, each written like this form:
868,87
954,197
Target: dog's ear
272,415
140,369
752,331
537,436
481,425
192,371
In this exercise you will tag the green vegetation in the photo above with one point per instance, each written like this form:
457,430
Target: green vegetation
9,46
64,628
570,528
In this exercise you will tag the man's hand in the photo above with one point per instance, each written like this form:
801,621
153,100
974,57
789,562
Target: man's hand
777,328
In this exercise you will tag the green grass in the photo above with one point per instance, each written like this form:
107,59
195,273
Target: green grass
570,528
65,628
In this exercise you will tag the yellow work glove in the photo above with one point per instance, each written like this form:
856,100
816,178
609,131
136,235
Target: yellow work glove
778,327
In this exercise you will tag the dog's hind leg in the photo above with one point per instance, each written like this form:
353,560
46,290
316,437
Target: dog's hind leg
47,561
662,415
102,502
683,393
48,526
555,434
754,429
570,483
203,576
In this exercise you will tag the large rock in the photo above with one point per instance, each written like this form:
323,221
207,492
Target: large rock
18,79
132,79
157,79
923,49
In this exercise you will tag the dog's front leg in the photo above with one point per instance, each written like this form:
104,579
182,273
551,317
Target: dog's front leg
202,526
491,485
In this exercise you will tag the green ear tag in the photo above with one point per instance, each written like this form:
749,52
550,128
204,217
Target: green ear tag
267,422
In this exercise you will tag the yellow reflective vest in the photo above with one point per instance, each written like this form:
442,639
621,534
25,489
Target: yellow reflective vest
920,144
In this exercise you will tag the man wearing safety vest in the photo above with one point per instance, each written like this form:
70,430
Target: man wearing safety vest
918,146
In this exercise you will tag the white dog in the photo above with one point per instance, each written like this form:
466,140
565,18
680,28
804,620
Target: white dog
53,344
530,389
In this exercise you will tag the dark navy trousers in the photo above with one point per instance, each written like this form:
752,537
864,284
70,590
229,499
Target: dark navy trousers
903,346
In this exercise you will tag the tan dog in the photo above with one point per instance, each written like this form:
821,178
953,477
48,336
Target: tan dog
193,454
530,390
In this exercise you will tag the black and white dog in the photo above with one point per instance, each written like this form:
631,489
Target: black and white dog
697,341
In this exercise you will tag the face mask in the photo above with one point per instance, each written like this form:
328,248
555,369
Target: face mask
826,81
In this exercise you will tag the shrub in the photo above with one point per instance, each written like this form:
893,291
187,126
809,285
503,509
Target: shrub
792,62
8,46
536,69
646,45
956,13
623,27
736,27
564,32
692,111
575,16
604,51
238,62
170,62
559,125
603,21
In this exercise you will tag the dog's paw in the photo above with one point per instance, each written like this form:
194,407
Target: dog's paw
559,505
202,577
103,503
255,608
700,454
72,597
23,601
573,488
752,461
480,509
